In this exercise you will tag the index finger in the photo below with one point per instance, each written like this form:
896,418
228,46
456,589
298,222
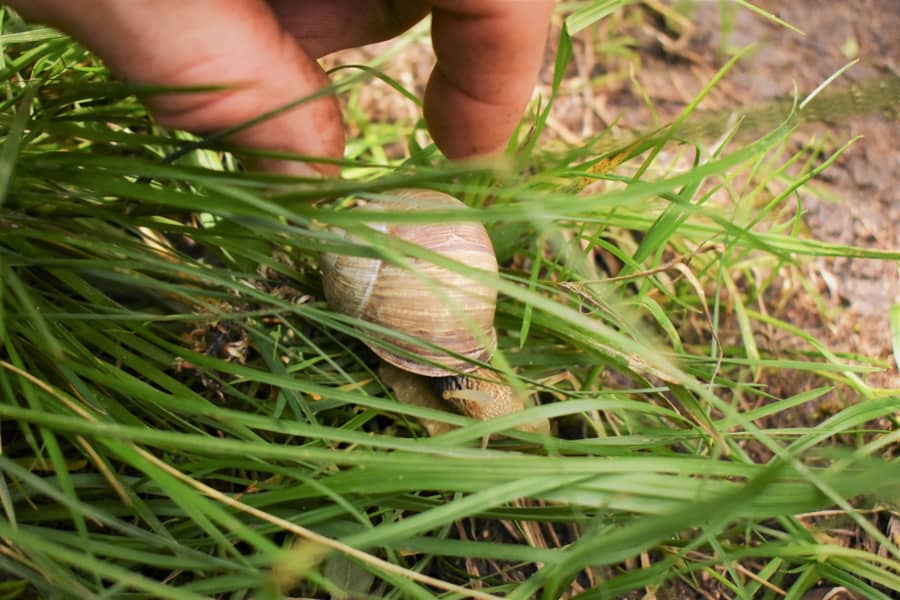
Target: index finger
488,53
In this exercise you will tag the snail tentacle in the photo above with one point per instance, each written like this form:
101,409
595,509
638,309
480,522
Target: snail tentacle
480,394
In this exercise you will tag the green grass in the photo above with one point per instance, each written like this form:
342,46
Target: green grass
183,417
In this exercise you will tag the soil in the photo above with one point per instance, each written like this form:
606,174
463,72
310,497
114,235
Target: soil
855,202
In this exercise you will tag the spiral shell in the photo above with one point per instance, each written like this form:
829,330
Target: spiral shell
426,302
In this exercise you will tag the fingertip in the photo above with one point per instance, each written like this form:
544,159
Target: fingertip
258,66
464,127
489,54
284,90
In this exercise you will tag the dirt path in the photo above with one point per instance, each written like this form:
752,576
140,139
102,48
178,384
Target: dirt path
855,202
865,181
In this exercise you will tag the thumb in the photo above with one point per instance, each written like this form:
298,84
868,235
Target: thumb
238,45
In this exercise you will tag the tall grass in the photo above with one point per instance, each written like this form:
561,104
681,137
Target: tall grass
182,416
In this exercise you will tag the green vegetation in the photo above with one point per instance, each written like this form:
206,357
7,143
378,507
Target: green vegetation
183,417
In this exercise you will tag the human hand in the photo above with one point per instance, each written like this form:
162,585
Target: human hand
488,56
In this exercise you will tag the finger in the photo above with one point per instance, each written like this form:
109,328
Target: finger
324,26
200,43
488,53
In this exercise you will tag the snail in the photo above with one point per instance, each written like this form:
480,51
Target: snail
447,318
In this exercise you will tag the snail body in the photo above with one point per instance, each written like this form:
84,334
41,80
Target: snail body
446,318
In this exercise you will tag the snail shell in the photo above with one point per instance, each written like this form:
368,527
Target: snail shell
427,302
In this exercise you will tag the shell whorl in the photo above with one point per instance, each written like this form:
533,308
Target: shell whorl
427,302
